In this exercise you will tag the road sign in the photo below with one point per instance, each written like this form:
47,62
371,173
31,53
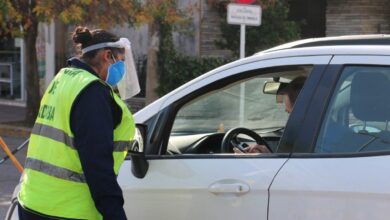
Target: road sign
244,14
245,1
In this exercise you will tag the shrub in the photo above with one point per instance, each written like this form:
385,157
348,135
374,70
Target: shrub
176,69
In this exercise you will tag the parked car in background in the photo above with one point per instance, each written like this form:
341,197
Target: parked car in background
330,156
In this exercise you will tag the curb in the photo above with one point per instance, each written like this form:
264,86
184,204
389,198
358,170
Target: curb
14,131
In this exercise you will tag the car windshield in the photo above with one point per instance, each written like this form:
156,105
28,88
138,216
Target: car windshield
241,104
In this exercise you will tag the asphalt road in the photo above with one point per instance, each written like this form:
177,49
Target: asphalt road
9,175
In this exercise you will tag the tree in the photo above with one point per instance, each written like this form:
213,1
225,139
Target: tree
21,18
160,14
274,30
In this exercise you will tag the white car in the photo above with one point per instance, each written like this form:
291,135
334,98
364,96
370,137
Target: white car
331,155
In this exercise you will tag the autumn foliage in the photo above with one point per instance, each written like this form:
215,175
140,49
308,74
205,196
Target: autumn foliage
21,18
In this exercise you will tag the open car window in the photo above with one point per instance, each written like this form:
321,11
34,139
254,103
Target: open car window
201,123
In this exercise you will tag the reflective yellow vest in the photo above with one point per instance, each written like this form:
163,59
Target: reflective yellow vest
53,181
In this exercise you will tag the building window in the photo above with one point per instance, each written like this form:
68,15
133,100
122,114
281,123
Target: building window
10,69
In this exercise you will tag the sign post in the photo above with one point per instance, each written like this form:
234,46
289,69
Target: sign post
243,14
242,41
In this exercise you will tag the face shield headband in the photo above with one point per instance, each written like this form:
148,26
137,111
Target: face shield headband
128,86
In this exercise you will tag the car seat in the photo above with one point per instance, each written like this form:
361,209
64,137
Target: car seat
369,102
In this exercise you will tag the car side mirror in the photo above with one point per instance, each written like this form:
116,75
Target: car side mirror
139,164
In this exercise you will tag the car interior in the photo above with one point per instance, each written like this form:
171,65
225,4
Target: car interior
245,112
358,116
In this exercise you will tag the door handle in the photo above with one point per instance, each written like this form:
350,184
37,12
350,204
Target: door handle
229,187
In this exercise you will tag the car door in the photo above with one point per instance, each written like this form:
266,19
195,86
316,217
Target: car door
339,167
213,185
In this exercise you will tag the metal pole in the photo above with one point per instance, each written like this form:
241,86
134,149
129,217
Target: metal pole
15,151
242,41
242,87
11,156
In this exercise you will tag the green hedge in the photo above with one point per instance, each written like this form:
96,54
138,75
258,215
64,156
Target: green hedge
180,69
175,69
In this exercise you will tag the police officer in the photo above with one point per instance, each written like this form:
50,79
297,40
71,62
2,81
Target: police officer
80,137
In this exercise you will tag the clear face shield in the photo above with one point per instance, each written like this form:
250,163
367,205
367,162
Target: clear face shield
128,86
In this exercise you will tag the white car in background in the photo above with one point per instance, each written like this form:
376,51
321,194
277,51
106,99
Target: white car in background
330,157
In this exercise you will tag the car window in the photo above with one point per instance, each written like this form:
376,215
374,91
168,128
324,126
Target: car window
234,105
239,104
358,116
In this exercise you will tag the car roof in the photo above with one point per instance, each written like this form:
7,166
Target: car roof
373,39
369,50
324,50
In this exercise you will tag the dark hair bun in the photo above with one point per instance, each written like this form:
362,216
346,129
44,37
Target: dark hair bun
81,35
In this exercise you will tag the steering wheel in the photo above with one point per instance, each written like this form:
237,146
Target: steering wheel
230,139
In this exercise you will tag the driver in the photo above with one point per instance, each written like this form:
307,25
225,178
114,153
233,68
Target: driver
290,93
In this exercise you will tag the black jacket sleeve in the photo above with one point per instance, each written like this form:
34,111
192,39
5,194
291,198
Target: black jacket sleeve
93,118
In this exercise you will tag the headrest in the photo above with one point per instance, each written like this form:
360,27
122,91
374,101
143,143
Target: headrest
370,99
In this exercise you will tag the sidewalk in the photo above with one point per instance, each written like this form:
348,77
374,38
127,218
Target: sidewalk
9,116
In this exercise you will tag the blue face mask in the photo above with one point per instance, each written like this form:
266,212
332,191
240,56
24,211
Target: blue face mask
115,72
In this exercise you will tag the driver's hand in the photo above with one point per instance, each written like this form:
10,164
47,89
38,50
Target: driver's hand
255,148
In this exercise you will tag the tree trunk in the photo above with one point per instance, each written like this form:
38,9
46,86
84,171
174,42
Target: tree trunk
61,45
32,77
152,63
